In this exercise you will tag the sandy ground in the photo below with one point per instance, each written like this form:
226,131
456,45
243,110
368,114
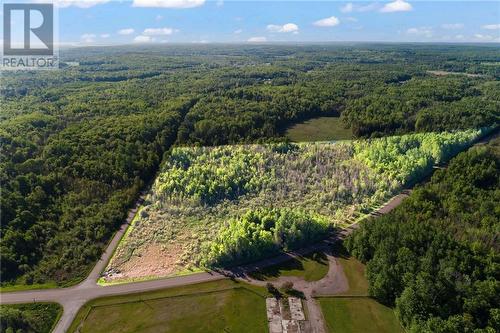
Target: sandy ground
155,260
73,298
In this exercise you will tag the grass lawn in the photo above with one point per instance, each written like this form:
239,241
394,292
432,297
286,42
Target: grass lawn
221,306
355,273
319,129
312,267
352,311
358,314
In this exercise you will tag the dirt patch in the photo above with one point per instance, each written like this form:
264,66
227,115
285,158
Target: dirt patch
155,260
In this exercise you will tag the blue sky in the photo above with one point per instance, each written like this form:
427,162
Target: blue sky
91,22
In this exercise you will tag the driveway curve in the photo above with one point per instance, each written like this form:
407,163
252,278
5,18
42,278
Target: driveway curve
73,298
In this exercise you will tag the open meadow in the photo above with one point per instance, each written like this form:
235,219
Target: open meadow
221,206
221,306
319,129
362,314
354,311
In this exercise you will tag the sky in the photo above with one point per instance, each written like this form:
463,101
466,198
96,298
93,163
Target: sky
105,22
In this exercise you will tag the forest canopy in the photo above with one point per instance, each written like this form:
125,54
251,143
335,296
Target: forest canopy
80,143
436,256
213,207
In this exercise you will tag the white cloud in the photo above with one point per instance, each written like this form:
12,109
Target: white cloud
168,3
219,3
105,35
76,3
327,22
143,39
452,26
483,37
396,6
87,38
237,31
289,27
257,39
350,19
347,8
491,26
158,31
459,37
350,7
127,31
421,31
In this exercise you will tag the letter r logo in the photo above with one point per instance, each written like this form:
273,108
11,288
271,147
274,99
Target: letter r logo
41,29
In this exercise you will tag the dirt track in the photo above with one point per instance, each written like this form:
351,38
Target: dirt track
333,282
73,298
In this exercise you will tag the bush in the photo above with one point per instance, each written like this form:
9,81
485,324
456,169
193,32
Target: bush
287,287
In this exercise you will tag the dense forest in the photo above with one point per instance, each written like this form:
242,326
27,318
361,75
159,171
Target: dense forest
29,318
79,144
436,257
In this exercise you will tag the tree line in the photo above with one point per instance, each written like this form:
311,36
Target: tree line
436,256
78,144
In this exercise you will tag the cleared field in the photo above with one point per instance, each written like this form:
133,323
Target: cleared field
312,267
355,274
222,306
227,205
352,311
319,129
354,315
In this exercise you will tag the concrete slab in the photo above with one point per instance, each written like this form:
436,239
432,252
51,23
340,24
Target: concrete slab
275,326
296,311
291,326
273,315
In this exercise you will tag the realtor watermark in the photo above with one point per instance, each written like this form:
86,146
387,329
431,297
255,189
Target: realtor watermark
29,36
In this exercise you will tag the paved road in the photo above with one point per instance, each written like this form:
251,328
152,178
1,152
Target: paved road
73,298
333,282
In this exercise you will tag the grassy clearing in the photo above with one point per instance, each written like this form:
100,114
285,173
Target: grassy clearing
355,273
352,311
220,306
228,205
33,318
354,315
319,129
21,287
312,267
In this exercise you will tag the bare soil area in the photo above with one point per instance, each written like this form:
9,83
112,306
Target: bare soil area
155,260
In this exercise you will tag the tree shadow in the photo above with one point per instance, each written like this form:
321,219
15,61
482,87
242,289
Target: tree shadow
275,270
338,250
294,263
296,293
